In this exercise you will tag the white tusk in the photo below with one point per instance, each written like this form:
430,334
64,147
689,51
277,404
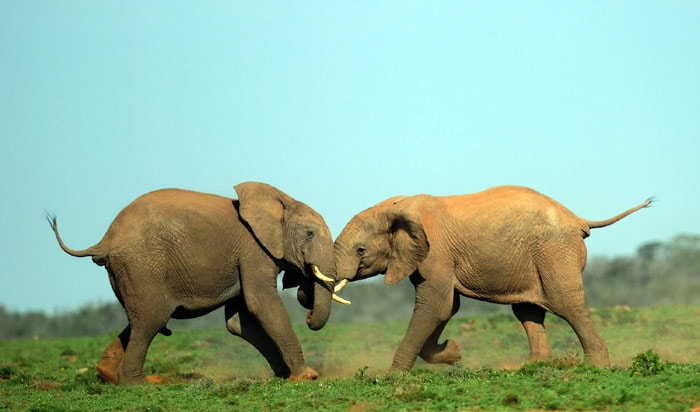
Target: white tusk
340,300
340,285
320,275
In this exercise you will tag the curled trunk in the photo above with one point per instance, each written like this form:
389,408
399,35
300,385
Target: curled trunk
317,318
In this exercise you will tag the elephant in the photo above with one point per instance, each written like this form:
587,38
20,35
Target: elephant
506,245
176,253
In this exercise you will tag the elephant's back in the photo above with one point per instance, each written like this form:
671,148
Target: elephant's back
518,195
171,210
502,197
180,198
517,207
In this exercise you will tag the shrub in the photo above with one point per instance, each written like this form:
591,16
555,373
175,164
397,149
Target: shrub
647,364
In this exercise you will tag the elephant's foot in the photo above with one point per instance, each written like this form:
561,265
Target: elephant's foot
535,357
108,373
446,352
543,353
539,356
280,370
602,360
109,363
304,374
396,369
132,378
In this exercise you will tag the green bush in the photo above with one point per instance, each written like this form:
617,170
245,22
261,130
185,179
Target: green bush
647,364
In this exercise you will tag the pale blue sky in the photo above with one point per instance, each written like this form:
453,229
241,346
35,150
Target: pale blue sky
341,105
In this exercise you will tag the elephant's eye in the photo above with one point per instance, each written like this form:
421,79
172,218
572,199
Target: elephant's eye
310,234
361,251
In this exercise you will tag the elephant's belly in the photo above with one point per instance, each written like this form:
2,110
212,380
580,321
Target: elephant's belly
202,303
190,313
507,298
502,286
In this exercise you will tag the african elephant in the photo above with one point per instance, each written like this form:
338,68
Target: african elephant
508,245
180,254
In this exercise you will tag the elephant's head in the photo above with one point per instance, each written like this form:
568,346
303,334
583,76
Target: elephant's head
298,238
388,238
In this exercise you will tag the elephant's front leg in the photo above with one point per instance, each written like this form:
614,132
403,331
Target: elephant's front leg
265,305
434,305
446,352
240,322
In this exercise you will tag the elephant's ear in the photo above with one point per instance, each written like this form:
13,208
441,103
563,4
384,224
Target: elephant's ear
262,207
409,244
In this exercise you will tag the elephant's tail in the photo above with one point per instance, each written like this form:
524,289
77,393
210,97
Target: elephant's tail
594,224
98,255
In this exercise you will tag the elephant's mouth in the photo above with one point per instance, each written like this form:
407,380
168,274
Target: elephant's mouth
323,278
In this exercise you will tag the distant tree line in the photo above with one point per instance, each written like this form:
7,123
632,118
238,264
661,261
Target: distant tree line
659,274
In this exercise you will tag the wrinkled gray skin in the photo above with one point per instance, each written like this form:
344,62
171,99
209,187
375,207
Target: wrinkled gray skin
508,245
181,254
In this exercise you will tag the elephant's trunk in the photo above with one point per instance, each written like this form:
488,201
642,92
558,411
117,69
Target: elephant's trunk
317,318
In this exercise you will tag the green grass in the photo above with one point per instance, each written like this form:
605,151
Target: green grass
655,352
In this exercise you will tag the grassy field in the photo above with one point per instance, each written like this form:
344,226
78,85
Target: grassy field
655,352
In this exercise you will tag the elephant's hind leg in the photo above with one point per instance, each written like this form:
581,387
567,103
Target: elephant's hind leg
448,351
108,366
532,318
112,357
594,349
130,370
567,287
143,328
